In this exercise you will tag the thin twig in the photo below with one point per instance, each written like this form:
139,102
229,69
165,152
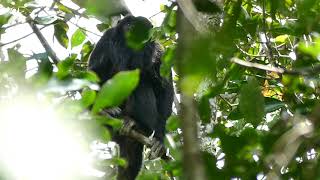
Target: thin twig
156,14
84,29
25,36
43,41
13,25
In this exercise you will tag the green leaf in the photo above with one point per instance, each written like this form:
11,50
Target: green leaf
120,161
4,18
138,34
204,109
272,104
281,38
17,64
88,98
88,75
116,90
115,123
77,38
103,26
173,123
251,102
64,67
312,50
167,62
63,8
86,51
60,32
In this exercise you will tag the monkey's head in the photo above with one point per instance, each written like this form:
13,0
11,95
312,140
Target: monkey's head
135,31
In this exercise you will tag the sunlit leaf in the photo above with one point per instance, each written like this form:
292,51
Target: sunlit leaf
64,67
60,32
4,18
173,123
77,38
115,90
88,97
281,38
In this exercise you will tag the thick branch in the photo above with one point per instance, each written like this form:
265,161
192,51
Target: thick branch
192,15
148,142
192,157
43,41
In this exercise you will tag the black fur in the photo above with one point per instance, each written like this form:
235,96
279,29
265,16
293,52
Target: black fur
151,102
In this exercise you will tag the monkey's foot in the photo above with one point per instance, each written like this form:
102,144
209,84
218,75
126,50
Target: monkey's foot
126,127
157,149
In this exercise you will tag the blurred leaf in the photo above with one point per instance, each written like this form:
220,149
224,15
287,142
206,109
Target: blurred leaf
235,114
116,124
167,62
120,161
85,51
17,64
103,9
138,35
170,21
103,26
116,90
4,18
63,8
173,123
251,102
77,38
105,134
65,66
312,50
281,38
204,109
45,71
60,32
90,76
272,104
88,97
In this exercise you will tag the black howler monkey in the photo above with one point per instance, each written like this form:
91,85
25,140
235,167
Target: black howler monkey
150,104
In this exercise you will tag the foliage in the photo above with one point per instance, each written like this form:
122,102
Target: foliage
255,123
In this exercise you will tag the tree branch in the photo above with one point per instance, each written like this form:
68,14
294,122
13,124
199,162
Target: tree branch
193,166
25,36
43,41
257,65
302,71
192,15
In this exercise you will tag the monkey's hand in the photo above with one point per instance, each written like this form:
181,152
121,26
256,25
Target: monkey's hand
113,112
157,149
127,127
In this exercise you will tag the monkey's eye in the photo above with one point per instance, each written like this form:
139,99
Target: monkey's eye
127,26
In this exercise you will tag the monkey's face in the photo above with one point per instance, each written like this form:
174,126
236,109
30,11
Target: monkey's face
135,30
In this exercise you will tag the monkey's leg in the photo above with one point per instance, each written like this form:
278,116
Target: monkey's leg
131,151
